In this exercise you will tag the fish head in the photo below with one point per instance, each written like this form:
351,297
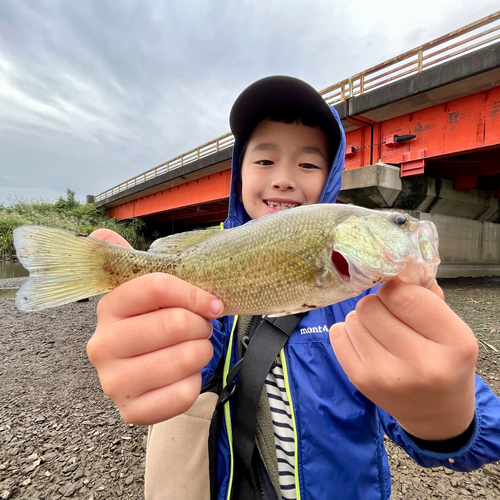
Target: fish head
369,249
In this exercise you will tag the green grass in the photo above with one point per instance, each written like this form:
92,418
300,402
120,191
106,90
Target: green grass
66,213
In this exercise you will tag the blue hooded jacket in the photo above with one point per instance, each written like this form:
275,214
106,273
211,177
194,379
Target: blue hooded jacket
339,433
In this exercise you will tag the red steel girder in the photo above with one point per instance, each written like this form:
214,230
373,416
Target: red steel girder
412,167
198,192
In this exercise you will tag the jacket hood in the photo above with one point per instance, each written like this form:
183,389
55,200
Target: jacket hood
237,214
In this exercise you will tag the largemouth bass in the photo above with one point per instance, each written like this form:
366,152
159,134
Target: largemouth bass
290,261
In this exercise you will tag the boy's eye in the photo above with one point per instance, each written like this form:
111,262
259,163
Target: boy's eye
265,162
308,165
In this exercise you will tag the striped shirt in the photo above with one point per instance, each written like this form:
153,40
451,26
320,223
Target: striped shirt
283,430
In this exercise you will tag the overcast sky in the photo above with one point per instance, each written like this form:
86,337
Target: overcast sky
93,92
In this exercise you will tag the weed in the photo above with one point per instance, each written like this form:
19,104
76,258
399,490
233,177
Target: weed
66,213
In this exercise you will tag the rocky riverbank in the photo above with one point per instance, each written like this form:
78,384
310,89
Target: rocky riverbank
61,437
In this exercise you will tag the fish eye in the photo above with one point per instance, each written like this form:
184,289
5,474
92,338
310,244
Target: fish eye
400,220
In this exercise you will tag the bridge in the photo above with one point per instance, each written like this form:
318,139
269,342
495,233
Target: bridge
423,135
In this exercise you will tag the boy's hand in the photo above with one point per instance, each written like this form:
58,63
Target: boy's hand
410,354
150,344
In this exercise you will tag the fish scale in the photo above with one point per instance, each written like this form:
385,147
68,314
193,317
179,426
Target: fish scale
282,263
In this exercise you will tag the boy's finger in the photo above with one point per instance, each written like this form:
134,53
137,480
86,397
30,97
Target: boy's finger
111,236
355,347
435,288
344,351
156,291
421,310
390,331
368,348
157,369
161,404
157,330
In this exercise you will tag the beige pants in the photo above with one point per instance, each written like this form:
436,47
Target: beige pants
177,454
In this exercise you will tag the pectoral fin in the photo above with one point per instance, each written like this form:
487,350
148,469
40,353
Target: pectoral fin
303,268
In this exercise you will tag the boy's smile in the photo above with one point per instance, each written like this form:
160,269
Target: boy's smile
285,166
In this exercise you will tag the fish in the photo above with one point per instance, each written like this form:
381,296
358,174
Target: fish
287,262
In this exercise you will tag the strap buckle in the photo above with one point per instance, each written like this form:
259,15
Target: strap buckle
230,388
226,393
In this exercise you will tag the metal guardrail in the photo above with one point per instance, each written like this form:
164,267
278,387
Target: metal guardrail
441,49
454,44
222,142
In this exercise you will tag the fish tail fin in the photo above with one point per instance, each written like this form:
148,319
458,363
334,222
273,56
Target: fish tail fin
64,267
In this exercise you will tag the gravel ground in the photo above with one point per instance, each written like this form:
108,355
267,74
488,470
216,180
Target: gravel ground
61,437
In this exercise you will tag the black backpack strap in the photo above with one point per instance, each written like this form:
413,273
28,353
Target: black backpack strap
225,393
267,338
264,345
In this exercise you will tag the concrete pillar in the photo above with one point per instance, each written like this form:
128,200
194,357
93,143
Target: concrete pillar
468,203
376,186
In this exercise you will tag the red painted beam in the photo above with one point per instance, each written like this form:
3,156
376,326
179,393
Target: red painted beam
413,167
210,188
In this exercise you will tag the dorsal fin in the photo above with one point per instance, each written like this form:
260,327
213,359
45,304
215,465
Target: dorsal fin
181,241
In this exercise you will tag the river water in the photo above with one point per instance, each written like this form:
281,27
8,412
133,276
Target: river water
10,269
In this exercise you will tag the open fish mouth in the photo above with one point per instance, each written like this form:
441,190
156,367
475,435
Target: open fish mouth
414,258
356,275
341,265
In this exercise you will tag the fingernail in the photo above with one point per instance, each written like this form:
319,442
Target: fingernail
216,306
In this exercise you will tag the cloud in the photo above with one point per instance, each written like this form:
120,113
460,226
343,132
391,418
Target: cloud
95,92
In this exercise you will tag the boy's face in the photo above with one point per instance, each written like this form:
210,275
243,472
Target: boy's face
285,165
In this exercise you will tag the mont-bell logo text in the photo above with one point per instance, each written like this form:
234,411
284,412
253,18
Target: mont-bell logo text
314,329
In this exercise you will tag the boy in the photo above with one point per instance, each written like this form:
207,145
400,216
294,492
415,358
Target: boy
402,362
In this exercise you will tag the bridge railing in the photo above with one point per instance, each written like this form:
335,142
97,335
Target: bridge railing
460,42
222,142
466,39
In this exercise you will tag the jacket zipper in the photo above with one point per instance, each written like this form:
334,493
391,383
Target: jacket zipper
294,424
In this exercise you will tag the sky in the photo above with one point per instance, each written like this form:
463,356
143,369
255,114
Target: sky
95,92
